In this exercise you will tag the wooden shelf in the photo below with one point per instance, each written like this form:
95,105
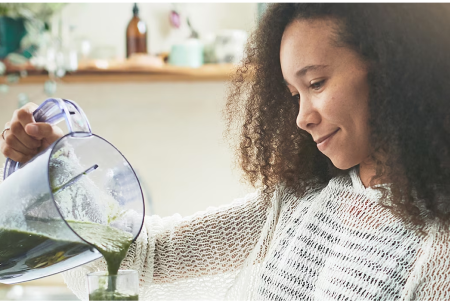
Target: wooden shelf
212,72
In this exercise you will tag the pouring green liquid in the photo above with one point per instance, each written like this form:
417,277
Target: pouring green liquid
112,243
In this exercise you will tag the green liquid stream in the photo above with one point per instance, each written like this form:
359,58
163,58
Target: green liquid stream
113,244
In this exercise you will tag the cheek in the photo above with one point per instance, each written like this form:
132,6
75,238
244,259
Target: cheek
348,110
347,104
336,108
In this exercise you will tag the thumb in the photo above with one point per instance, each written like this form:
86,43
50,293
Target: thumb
42,130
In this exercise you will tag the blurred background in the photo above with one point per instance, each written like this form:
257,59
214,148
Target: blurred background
152,80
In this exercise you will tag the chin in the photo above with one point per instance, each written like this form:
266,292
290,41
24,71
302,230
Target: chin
342,164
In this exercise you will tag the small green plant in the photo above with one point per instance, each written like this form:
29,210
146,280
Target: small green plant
35,16
36,19
40,11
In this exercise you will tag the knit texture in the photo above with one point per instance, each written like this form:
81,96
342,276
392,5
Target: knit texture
334,243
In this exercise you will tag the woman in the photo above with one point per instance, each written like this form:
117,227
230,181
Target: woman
342,116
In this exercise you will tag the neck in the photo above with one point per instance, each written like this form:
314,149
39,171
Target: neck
367,170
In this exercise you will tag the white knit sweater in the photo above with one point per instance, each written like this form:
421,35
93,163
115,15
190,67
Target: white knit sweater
335,243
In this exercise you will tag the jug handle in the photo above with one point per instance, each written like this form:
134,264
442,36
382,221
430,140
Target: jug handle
53,111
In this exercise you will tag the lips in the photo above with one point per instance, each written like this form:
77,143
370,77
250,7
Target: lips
325,137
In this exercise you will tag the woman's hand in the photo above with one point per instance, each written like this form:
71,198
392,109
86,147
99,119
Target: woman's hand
25,138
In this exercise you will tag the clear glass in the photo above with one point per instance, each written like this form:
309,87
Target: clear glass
123,286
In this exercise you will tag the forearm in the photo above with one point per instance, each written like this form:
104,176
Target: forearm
212,242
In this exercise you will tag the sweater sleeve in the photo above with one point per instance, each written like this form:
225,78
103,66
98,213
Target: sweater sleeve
434,277
195,257
430,279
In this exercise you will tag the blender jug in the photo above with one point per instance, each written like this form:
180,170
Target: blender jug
80,178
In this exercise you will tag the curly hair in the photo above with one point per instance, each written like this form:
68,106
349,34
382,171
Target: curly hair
408,52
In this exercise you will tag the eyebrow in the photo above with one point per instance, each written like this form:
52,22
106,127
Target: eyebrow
302,72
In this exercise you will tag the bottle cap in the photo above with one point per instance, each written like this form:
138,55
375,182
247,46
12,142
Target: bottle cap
135,9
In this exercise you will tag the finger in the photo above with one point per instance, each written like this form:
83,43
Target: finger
18,131
21,118
15,144
42,130
7,128
13,154
56,134
25,114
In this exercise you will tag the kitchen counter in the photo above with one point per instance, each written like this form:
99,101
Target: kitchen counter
36,292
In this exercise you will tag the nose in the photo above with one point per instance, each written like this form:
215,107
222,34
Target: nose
308,116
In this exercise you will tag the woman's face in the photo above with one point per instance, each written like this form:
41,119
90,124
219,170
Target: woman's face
330,84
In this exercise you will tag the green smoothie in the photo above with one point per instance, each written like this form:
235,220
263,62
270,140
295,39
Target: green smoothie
103,295
113,244
16,245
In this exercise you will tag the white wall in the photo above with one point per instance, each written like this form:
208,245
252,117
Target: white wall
104,24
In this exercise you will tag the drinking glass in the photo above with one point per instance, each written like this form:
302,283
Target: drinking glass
123,286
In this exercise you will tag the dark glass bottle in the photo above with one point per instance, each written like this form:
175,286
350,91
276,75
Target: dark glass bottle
136,34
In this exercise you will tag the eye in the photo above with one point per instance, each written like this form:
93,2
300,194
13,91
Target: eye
317,85
295,98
